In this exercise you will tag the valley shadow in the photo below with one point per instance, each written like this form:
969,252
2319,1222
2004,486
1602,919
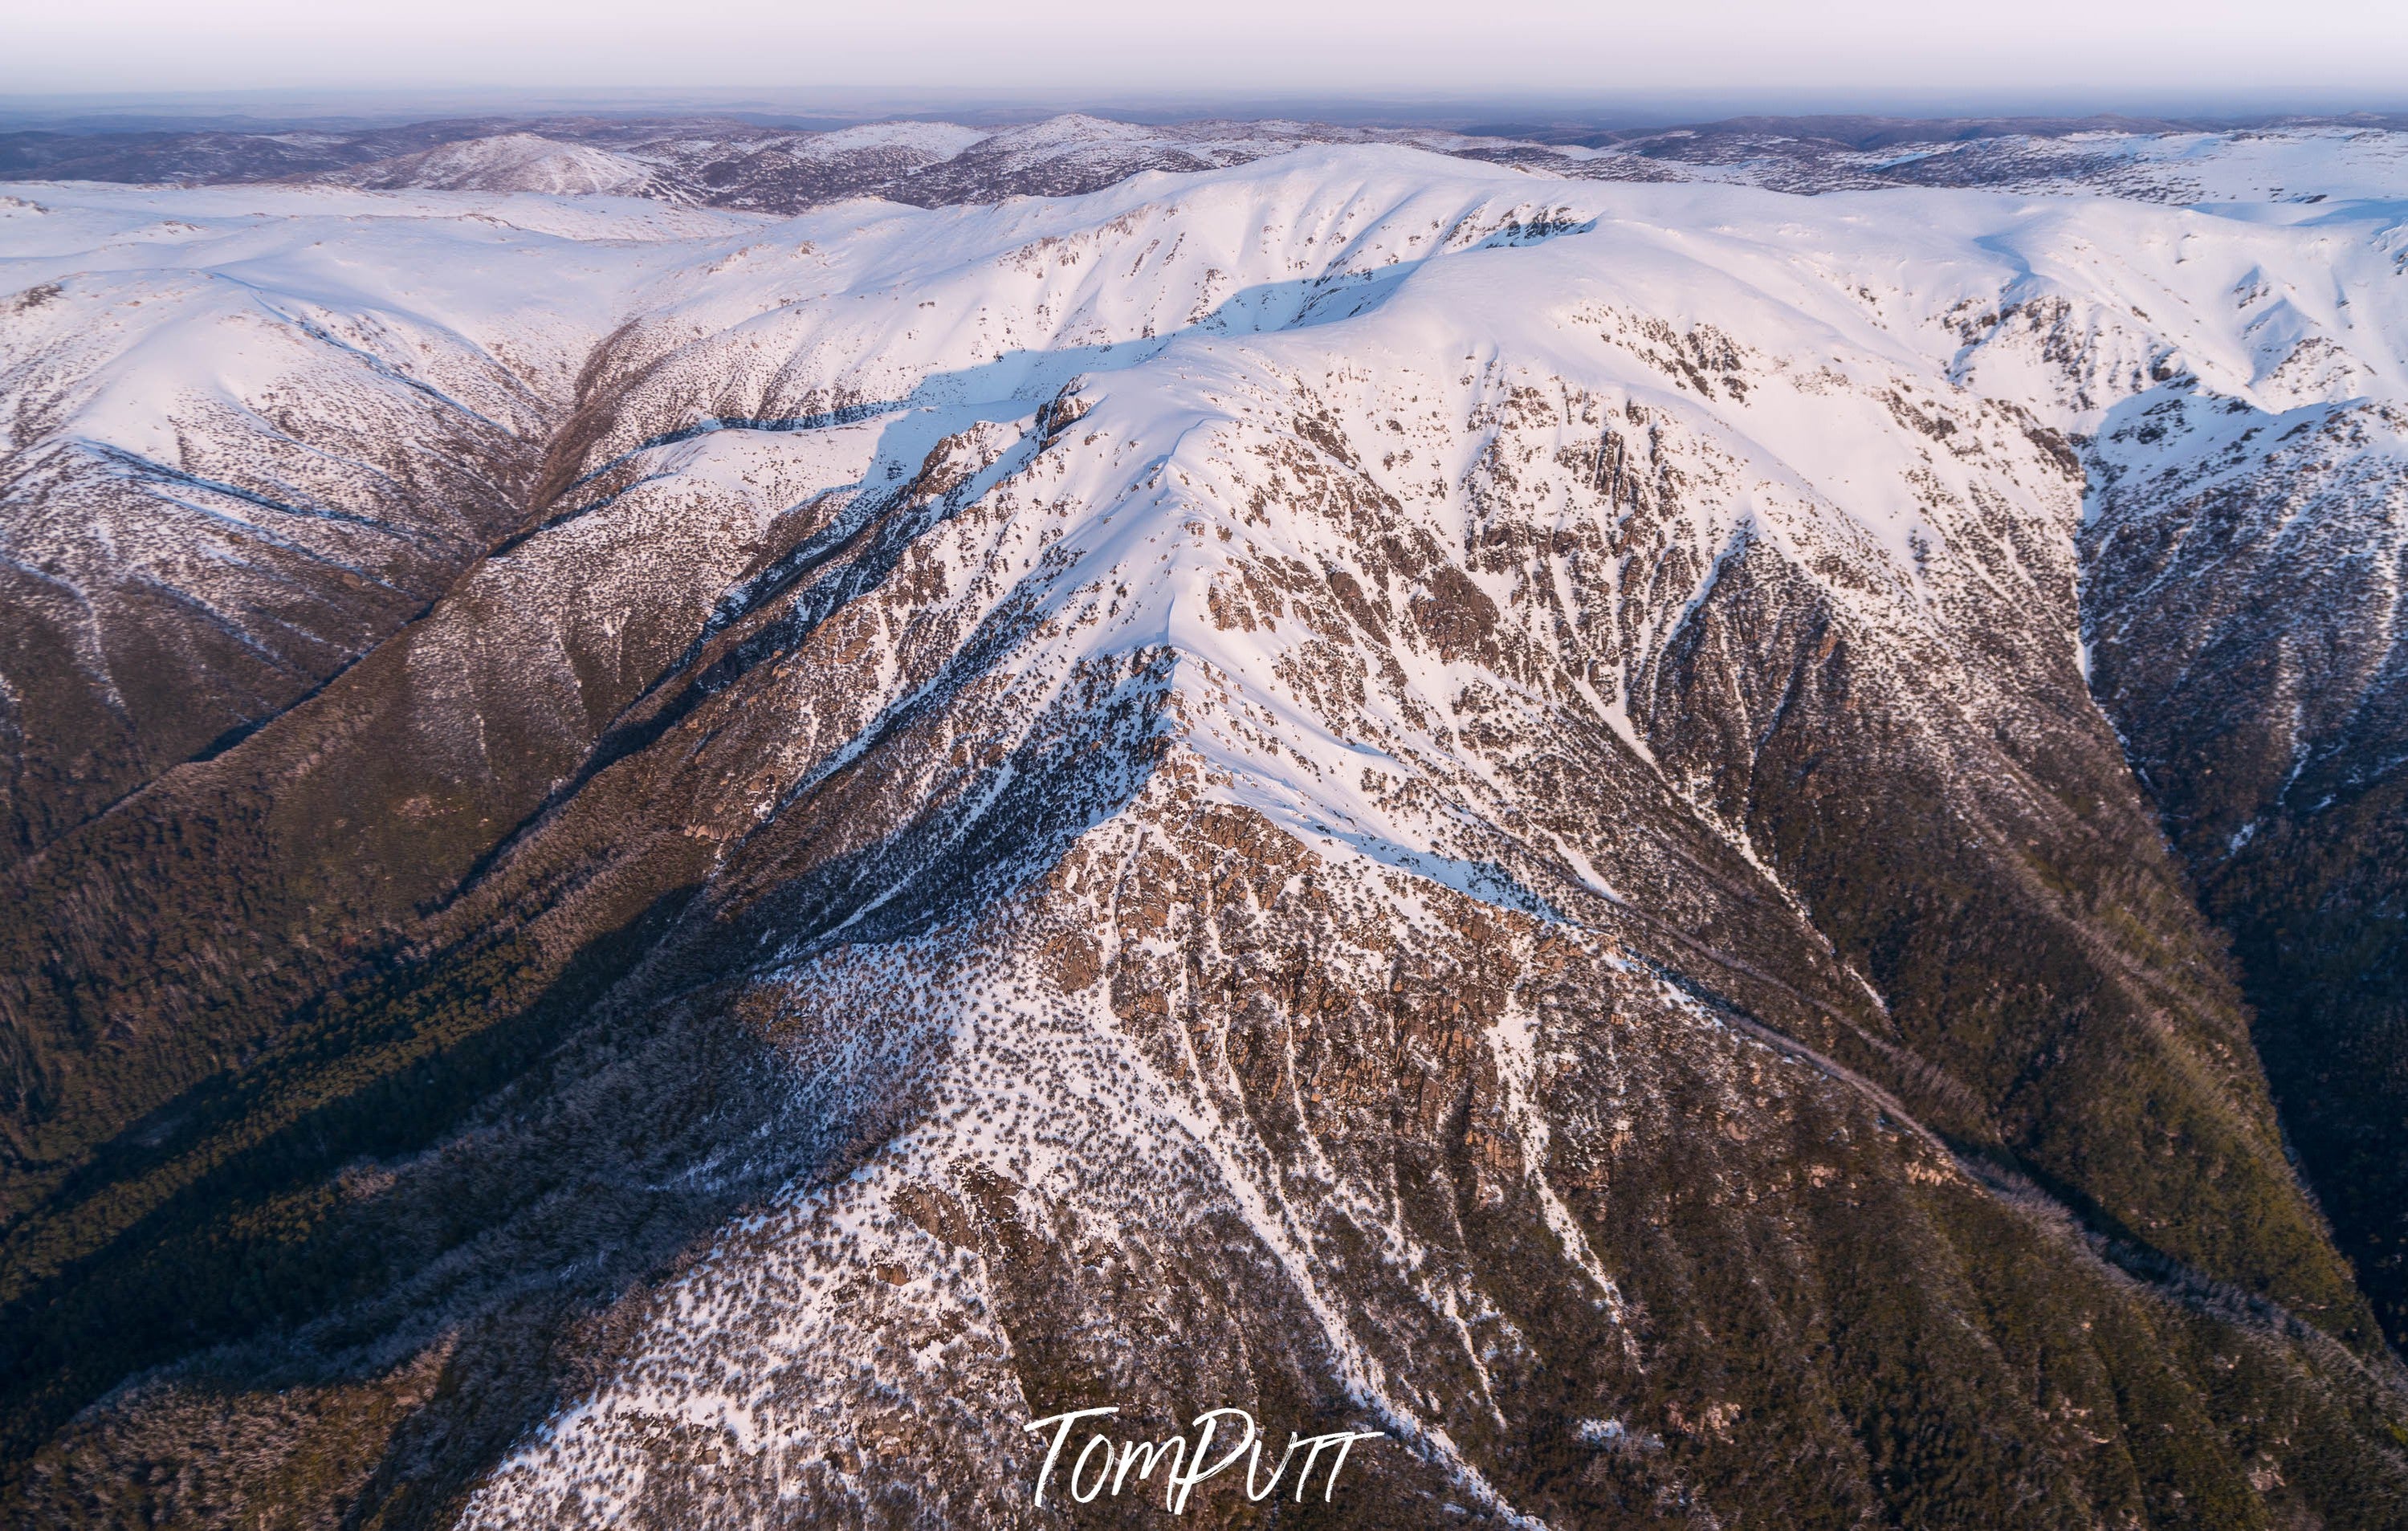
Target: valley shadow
262,1237
492,1177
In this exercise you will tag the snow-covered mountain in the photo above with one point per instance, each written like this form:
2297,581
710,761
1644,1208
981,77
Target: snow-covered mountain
510,161
685,863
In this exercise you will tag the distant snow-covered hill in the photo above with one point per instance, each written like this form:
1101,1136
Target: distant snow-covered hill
508,161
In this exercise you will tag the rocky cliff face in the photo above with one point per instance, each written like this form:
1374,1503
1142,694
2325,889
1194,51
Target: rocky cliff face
1355,787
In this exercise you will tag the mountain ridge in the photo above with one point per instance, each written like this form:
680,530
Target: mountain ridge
1332,710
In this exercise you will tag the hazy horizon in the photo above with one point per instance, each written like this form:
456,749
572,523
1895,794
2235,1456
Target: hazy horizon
1889,56
278,109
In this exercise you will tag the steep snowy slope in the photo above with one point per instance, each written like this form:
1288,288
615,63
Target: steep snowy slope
1357,786
246,447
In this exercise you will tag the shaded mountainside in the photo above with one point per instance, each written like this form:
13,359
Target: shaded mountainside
1327,785
2239,400
2253,648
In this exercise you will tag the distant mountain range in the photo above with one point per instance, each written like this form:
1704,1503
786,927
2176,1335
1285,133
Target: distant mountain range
1708,823
730,164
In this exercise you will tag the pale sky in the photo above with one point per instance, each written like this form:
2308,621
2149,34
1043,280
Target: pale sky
2134,54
